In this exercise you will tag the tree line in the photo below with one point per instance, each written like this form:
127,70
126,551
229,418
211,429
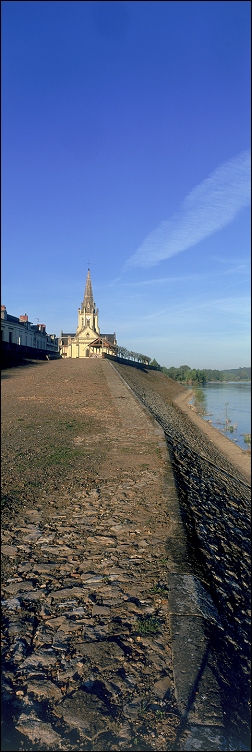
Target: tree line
185,374
122,352
193,376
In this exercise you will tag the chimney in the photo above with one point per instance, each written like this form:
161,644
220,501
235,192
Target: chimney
23,318
3,312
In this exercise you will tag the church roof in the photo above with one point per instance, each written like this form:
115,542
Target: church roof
110,337
102,340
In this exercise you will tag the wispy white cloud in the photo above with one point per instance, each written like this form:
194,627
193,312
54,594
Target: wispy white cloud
187,277
226,261
166,280
239,306
209,207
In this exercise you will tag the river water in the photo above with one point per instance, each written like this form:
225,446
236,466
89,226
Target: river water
228,406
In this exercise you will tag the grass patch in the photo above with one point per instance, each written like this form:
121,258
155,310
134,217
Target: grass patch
247,438
60,456
67,425
159,588
148,625
44,455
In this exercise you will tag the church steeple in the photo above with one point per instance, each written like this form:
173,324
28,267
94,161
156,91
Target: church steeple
88,313
88,294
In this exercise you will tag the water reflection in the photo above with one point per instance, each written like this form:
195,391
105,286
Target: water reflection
227,406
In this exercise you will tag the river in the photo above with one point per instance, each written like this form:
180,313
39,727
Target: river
228,408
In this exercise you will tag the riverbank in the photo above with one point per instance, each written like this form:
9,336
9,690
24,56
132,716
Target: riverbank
240,458
214,497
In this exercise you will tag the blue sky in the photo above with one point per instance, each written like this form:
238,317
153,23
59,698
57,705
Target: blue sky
126,148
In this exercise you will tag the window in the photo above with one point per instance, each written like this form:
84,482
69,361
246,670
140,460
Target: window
10,338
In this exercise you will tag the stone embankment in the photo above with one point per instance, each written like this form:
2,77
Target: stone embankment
214,496
109,639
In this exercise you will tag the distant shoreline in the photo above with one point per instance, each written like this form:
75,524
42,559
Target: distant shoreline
195,386
241,381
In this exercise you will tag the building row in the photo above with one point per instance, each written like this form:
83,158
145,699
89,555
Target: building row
21,331
86,342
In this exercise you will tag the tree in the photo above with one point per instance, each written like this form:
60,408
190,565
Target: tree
200,401
184,370
202,377
131,355
155,364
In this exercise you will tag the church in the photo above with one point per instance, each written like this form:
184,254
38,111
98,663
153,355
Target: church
87,342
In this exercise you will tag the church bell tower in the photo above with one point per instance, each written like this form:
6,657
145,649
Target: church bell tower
88,313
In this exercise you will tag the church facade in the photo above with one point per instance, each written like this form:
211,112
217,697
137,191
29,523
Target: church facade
87,341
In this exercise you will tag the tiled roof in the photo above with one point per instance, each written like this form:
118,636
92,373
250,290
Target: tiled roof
14,319
109,337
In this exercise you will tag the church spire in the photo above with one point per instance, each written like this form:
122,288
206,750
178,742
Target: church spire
88,294
88,313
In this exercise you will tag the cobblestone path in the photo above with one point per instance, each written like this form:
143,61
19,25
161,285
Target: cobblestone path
86,638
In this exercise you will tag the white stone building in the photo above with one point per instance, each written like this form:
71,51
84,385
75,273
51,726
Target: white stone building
20,331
